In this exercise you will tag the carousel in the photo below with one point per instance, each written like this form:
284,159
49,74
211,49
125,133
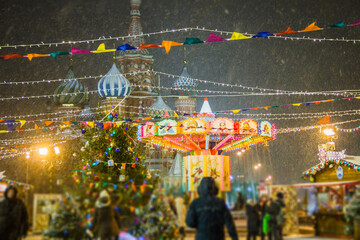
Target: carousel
205,138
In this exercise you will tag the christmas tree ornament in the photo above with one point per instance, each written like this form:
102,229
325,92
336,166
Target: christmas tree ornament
122,178
110,163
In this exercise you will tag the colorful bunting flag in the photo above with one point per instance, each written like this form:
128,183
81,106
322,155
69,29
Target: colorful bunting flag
287,31
190,41
79,51
55,54
148,46
311,27
30,56
238,36
325,120
338,25
101,49
166,114
12,56
125,47
47,123
168,44
263,35
214,38
357,22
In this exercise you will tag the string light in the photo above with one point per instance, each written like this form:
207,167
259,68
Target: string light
103,38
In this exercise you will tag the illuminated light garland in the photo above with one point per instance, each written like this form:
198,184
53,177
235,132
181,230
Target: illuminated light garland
17,183
246,35
319,167
347,130
298,129
290,114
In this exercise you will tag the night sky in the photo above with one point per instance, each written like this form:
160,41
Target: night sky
267,63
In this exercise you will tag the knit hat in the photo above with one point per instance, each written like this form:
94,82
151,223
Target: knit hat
280,195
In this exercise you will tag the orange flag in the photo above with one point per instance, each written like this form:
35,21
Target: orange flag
32,55
311,27
107,125
36,126
47,123
287,31
325,120
66,123
168,44
123,165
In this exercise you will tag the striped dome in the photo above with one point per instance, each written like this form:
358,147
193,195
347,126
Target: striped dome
184,86
113,84
159,108
70,91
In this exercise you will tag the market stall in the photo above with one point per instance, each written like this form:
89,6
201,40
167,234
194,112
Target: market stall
333,183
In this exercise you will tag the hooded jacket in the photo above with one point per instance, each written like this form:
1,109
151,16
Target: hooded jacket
106,221
13,216
208,214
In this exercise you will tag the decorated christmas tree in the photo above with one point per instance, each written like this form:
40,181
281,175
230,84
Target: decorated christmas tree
110,159
353,211
156,220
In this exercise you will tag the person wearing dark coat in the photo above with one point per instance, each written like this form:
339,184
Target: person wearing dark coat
273,210
106,221
239,202
253,220
208,214
261,206
13,216
280,203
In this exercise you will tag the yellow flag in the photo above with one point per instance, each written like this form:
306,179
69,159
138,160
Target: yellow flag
237,36
22,122
236,111
297,104
357,97
102,49
36,126
91,124
175,114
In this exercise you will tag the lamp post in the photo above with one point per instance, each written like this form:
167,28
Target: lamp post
43,152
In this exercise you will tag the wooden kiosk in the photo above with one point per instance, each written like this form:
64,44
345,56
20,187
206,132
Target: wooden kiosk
334,178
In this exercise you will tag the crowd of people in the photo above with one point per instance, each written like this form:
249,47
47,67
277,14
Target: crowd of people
208,214
266,217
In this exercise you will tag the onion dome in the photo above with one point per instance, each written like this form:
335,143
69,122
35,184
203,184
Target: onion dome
70,91
86,114
159,108
113,84
184,85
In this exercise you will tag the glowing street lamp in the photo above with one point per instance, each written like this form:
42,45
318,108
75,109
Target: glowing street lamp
329,132
57,150
43,151
239,153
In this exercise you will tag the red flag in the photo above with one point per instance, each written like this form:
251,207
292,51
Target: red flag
325,120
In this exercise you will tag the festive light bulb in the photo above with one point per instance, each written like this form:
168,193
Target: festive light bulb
43,151
329,132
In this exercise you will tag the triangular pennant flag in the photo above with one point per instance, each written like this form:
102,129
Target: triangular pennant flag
1,120
107,125
190,41
237,36
47,123
100,125
325,120
91,124
147,118
296,104
338,25
266,108
55,54
101,49
168,44
10,124
357,22
36,126
123,165
30,56
79,51
125,47
214,38
66,123
175,114
287,31
18,128
22,122
311,27
263,35
12,56
166,114
148,46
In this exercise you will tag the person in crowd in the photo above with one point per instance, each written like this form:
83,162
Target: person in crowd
208,214
253,219
106,221
13,216
273,209
280,217
239,202
181,214
261,207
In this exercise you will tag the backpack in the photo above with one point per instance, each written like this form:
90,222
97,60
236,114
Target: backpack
281,216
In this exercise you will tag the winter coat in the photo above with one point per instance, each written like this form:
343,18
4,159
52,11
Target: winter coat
273,210
253,219
208,214
106,221
13,217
